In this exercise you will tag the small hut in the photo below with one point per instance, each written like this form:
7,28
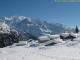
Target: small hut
69,36
43,39
64,36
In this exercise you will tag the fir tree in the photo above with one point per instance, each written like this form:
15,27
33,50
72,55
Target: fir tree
77,30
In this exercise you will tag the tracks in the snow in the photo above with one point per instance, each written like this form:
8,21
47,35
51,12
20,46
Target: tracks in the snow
24,56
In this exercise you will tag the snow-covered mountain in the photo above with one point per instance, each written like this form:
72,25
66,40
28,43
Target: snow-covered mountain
35,27
4,28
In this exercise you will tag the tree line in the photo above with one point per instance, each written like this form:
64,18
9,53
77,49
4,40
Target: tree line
7,39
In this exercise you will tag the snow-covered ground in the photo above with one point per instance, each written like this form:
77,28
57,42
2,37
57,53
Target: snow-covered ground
70,50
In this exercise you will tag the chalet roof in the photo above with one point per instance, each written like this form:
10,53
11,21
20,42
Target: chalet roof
54,36
65,34
71,34
43,38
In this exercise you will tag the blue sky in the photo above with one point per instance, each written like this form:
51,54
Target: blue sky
67,13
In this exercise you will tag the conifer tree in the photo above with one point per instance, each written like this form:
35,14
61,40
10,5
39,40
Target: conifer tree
77,30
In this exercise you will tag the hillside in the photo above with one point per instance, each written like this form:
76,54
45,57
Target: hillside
70,50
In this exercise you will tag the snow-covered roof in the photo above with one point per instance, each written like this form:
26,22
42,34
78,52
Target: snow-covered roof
54,36
65,34
43,38
73,34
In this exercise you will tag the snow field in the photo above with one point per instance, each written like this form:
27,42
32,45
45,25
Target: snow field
47,53
69,50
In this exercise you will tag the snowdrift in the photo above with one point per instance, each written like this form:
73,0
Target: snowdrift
53,41
21,43
77,39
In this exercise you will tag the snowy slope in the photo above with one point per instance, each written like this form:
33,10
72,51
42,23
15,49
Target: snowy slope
4,28
35,27
62,51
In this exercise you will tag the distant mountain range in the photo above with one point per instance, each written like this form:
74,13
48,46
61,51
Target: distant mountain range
35,27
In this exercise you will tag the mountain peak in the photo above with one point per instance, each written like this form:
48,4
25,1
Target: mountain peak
19,17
